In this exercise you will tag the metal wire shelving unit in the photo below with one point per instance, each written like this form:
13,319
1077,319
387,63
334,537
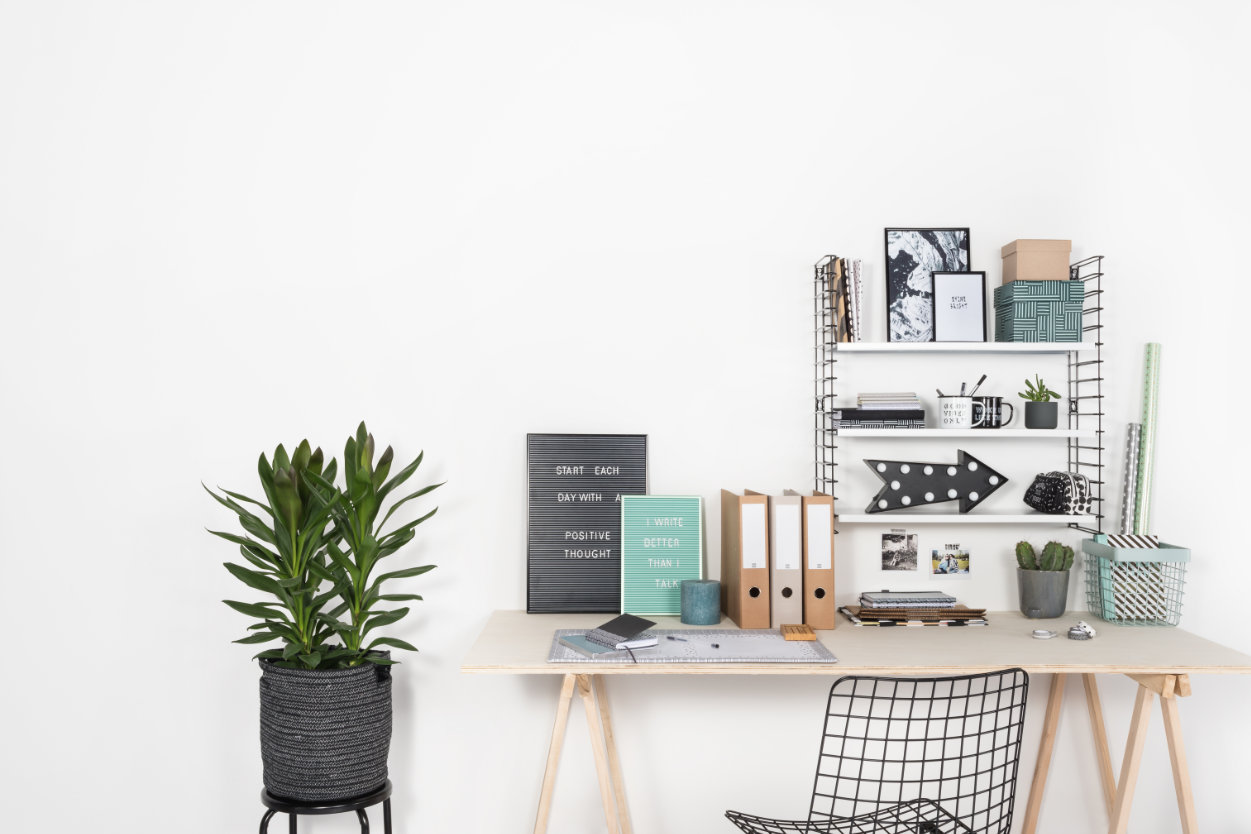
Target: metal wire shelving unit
1084,434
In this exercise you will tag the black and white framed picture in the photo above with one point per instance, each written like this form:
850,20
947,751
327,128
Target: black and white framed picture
912,257
959,306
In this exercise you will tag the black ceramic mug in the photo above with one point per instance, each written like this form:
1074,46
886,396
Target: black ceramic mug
988,413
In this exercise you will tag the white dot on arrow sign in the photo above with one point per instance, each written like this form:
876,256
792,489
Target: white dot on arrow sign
951,470
883,504
881,467
951,493
972,496
972,466
929,470
929,496
905,469
905,500
894,484
994,479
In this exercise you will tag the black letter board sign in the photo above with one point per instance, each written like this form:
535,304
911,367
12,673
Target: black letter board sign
575,484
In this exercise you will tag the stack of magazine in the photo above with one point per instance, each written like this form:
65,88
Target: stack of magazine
889,410
912,608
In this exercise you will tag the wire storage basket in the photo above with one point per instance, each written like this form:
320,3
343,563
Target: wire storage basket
1135,585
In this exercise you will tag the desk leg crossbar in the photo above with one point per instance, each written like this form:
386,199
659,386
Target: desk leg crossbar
1119,793
603,746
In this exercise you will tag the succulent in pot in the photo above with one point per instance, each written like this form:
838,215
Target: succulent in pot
1040,412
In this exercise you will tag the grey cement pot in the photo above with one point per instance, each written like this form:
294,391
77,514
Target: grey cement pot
1044,593
1042,415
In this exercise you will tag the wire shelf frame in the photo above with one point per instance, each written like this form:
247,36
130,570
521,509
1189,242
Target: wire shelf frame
1084,384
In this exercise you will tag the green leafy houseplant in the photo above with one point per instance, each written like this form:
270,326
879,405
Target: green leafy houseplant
1055,556
286,546
1037,391
360,544
314,548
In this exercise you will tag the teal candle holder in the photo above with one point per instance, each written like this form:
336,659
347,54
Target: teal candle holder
701,602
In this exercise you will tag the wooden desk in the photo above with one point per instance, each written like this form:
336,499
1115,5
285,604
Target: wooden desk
1159,659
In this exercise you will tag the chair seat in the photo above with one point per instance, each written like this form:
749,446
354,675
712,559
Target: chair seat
919,816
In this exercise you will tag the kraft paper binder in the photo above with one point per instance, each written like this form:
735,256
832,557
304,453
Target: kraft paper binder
745,558
786,552
819,610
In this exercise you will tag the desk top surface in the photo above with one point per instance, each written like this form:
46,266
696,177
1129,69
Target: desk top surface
514,642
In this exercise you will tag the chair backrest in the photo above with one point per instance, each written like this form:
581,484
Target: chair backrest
954,741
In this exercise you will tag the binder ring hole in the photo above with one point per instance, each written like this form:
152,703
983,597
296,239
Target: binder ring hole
754,592
819,593
787,593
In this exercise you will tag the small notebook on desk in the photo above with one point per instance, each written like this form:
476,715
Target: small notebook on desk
618,634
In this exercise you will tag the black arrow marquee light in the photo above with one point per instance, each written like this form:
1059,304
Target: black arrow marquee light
910,484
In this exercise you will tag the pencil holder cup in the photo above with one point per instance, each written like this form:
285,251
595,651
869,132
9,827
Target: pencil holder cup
957,413
701,602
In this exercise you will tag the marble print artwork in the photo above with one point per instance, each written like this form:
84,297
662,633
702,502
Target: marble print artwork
912,256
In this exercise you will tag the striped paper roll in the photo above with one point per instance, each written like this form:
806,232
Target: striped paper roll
1129,541
1129,492
1146,450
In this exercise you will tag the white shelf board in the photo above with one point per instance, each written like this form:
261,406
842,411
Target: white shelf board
962,347
896,519
979,434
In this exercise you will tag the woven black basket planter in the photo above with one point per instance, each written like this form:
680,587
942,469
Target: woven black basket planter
325,734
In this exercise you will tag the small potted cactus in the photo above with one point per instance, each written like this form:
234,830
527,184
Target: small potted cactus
1043,579
1040,411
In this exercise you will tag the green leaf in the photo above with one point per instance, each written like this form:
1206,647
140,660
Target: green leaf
393,641
263,637
241,497
290,650
383,618
268,654
311,660
257,609
399,597
253,579
406,498
379,661
404,574
246,542
401,476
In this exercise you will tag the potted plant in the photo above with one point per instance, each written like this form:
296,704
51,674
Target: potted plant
313,547
1040,412
1043,581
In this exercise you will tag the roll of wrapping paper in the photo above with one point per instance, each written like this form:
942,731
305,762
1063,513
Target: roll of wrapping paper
1146,447
1129,492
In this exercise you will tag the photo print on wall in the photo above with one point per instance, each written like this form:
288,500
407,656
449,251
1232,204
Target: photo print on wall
951,561
912,256
899,550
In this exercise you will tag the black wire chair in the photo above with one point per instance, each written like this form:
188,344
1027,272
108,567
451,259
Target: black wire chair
914,756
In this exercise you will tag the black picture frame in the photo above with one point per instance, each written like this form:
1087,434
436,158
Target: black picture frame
951,325
918,252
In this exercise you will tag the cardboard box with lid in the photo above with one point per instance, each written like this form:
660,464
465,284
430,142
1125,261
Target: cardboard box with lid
1036,260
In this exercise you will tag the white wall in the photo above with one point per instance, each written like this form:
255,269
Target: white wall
227,225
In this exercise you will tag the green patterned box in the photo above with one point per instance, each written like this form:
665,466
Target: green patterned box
662,543
1039,311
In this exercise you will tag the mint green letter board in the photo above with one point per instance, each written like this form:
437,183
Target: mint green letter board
662,543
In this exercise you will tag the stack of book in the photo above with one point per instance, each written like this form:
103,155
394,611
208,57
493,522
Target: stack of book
844,283
905,608
882,411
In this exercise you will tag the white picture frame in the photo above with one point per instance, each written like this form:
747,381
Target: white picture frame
959,306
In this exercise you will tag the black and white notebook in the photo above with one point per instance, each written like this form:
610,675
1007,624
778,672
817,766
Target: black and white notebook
624,632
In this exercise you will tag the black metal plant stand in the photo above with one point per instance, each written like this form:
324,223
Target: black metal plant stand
293,808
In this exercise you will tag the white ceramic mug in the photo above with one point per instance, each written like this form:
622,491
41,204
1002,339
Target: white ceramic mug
956,412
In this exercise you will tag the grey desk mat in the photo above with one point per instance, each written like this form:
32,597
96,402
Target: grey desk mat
763,645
